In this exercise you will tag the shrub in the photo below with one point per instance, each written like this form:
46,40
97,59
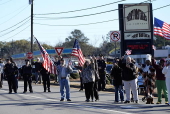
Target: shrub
74,75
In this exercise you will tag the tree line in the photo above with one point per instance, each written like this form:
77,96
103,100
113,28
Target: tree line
22,46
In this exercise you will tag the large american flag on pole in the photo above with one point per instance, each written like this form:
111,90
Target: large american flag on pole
78,53
48,64
161,28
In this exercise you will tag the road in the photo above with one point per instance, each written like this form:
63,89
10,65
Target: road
49,103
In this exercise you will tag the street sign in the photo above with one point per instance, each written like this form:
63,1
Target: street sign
29,55
114,36
59,50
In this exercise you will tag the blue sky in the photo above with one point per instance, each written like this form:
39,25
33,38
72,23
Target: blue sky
14,11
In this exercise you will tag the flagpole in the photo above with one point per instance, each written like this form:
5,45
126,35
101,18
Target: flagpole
164,43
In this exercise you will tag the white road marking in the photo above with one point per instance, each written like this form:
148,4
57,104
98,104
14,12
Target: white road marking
76,104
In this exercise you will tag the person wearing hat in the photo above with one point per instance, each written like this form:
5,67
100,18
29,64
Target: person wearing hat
10,70
63,78
116,74
102,73
166,71
129,77
160,80
26,72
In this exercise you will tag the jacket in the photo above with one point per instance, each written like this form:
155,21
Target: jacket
10,70
88,74
159,74
116,74
38,66
128,74
102,65
68,70
26,70
1,67
166,71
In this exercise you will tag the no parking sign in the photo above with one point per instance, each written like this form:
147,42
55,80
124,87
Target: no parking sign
114,36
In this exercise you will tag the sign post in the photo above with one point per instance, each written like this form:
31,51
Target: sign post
114,37
59,50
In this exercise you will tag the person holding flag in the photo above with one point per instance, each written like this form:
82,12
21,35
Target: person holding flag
63,78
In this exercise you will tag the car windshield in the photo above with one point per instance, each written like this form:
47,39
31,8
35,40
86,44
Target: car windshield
108,68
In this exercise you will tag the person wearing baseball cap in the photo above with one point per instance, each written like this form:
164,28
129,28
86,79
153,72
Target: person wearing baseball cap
160,80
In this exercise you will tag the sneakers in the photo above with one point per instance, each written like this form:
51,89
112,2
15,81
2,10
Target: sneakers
136,101
81,90
62,100
49,91
166,102
87,100
96,100
127,101
24,91
158,103
68,99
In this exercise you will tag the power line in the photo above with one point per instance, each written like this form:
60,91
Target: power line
12,12
45,18
15,28
16,33
82,9
6,2
14,15
15,24
79,24
97,22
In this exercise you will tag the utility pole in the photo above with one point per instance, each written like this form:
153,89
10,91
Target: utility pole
12,47
31,2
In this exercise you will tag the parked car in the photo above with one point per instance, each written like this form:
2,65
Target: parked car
108,69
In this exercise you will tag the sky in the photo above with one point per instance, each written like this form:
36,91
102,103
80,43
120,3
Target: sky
15,11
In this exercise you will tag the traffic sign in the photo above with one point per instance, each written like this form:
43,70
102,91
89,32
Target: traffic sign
114,36
29,55
59,50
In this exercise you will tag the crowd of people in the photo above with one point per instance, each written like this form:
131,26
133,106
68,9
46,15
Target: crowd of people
124,73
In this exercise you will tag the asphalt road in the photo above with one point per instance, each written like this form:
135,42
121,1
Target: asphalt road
49,103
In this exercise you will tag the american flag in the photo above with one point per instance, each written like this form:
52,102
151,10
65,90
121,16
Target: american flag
48,64
161,28
128,52
78,53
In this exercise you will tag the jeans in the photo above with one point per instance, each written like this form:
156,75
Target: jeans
37,76
65,83
119,89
